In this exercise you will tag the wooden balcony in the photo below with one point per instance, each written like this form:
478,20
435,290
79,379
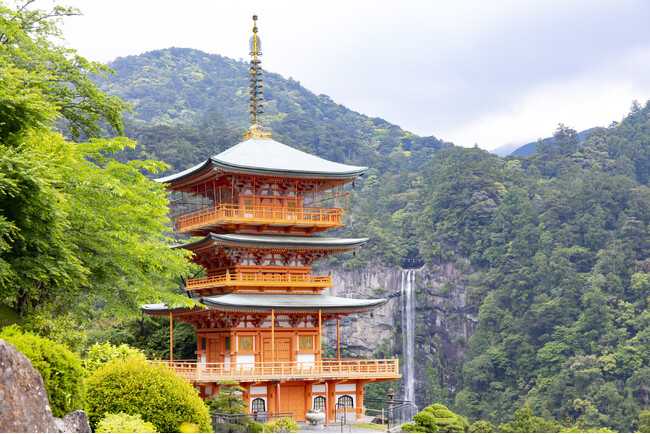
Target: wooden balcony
384,369
227,215
260,280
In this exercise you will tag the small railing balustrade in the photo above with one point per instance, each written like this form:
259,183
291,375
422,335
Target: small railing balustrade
259,279
265,371
255,214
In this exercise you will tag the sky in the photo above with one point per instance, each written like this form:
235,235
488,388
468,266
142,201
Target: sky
490,73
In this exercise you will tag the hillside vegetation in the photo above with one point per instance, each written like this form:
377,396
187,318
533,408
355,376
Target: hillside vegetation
189,105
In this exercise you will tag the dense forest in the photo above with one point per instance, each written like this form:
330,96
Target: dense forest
558,242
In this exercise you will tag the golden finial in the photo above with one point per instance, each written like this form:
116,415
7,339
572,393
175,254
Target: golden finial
256,104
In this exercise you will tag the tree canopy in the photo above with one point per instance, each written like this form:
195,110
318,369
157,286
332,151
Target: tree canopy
78,230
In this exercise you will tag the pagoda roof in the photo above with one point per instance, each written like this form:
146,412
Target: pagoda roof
277,242
257,156
164,308
280,303
289,303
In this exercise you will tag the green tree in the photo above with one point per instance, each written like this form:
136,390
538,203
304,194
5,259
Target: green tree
481,426
78,230
644,421
526,421
228,399
30,41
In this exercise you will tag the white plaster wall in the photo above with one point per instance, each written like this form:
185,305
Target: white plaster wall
246,360
258,390
346,388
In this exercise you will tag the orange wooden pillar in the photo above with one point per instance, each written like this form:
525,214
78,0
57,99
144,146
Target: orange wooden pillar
273,358
277,397
327,404
320,335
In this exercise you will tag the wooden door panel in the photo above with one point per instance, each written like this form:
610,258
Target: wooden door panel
292,399
213,350
282,350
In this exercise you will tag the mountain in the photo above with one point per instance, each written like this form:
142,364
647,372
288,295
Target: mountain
531,148
504,150
183,97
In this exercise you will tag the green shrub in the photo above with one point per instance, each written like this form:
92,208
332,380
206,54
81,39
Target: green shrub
426,420
60,368
123,422
282,425
411,427
437,418
481,426
256,427
133,385
100,354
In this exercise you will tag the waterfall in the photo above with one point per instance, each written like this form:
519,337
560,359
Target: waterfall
408,333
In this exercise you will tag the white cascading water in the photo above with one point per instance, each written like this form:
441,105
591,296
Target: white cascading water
408,333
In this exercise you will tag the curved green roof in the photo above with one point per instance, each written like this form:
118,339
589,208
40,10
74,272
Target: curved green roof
268,157
280,303
289,303
278,241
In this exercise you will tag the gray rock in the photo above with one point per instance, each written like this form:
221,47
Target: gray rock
24,406
77,421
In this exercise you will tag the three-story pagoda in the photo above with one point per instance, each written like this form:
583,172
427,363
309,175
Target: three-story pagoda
257,207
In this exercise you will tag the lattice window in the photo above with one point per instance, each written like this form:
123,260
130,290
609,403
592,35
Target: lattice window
258,405
345,401
245,342
306,342
319,403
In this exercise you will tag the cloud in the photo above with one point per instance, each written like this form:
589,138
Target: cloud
468,71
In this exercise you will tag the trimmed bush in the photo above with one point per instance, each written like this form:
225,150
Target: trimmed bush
411,427
60,368
282,425
123,422
437,418
136,386
426,420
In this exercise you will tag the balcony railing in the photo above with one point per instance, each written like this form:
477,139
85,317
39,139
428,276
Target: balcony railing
262,215
267,371
260,279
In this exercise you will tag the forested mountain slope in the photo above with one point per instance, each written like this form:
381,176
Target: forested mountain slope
189,104
561,248
558,242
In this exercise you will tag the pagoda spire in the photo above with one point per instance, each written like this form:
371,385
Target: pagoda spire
256,94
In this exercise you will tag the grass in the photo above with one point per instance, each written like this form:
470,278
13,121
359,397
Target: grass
375,426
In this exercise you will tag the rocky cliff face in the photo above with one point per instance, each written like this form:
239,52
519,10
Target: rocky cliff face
444,322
